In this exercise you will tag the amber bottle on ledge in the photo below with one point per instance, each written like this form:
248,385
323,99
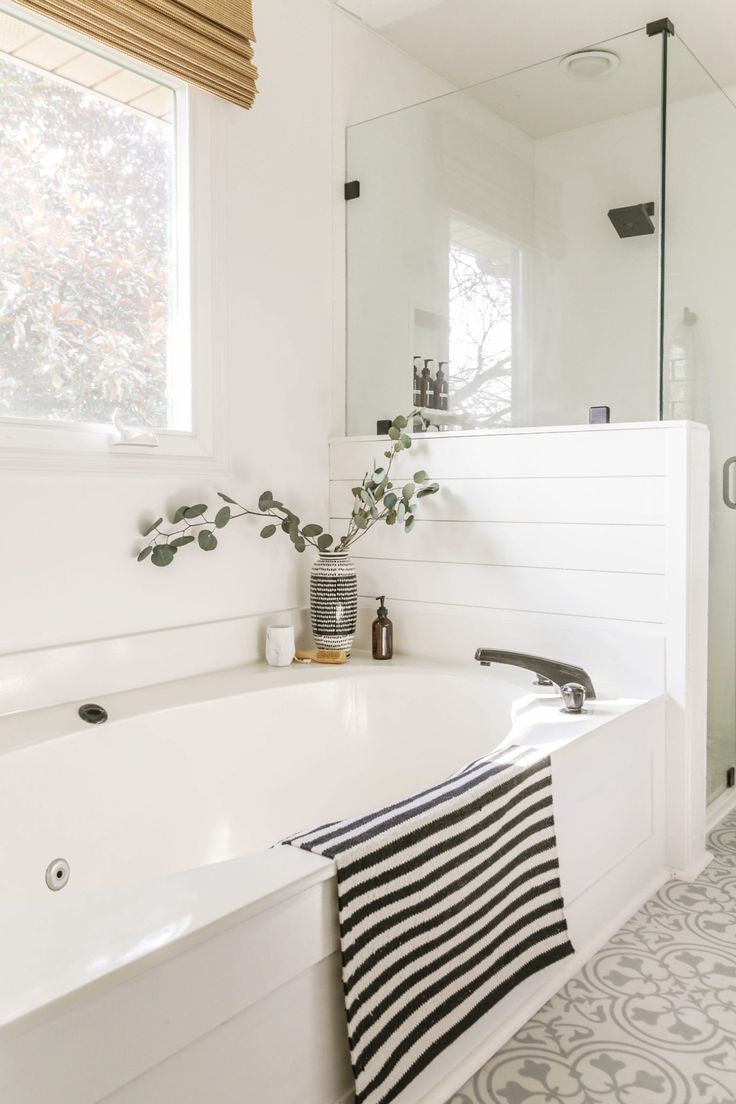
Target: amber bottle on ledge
383,632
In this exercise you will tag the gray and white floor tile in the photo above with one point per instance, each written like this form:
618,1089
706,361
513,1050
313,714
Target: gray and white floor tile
651,1019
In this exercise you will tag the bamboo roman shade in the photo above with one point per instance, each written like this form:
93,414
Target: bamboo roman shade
205,42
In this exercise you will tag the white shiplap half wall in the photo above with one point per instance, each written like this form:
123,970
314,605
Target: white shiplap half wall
552,540
587,544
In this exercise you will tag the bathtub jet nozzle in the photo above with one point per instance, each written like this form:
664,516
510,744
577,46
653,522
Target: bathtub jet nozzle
57,874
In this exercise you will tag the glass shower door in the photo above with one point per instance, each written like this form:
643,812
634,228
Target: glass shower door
699,354
489,249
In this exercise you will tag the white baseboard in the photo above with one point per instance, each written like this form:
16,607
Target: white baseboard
694,870
720,808
559,976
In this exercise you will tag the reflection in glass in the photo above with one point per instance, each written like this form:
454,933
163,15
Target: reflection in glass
481,300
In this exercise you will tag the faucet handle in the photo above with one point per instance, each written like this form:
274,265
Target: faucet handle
573,696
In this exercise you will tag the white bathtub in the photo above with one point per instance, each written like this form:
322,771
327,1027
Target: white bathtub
188,962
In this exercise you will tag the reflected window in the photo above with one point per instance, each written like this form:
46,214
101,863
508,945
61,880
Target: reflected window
483,296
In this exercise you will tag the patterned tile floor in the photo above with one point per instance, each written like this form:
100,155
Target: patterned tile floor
650,1020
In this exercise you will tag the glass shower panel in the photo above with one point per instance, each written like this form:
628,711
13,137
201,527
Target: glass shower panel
485,277
700,347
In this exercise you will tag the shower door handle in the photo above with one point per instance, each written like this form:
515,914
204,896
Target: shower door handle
727,497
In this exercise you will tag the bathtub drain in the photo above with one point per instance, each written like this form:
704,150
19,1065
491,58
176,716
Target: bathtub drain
57,874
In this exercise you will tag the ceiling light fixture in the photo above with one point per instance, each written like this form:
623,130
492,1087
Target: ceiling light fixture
590,64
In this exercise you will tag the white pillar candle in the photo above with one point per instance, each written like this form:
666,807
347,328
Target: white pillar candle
280,645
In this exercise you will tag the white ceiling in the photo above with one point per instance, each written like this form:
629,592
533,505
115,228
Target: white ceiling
467,41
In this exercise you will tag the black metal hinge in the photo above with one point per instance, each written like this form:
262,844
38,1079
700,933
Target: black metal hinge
352,189
660,25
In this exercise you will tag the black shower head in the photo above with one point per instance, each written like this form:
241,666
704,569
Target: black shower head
630,222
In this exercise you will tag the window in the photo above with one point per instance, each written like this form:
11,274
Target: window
93,294
483,290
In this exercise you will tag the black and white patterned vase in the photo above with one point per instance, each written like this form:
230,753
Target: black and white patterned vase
333,600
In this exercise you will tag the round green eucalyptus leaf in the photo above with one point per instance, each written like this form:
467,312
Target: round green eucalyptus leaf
300,544
179,514
394,433
150,528
324,541
268,530
360,521
430,490
420,477
195,511
390,500
400,422
222,517
181,541
401,512
312,530
408,491
207,541
406,440
391,517
144,553
409,525
265,500
227,498
162,555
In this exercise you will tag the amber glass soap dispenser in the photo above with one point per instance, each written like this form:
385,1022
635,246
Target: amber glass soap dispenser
383,632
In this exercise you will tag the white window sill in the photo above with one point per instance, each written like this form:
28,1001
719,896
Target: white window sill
41,446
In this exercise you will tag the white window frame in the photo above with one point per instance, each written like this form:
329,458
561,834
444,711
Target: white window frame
46,445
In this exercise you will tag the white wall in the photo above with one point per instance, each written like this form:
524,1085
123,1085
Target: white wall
586,300
67,558
371,78
594,313
69,574
417,169
588,545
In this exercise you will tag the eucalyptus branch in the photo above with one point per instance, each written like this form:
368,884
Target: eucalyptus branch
375,500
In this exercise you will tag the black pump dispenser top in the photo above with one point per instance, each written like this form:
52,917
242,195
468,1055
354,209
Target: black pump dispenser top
382,611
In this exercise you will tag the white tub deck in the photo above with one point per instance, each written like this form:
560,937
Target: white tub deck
180,919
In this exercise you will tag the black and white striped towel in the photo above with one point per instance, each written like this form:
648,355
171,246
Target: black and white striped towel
447,900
